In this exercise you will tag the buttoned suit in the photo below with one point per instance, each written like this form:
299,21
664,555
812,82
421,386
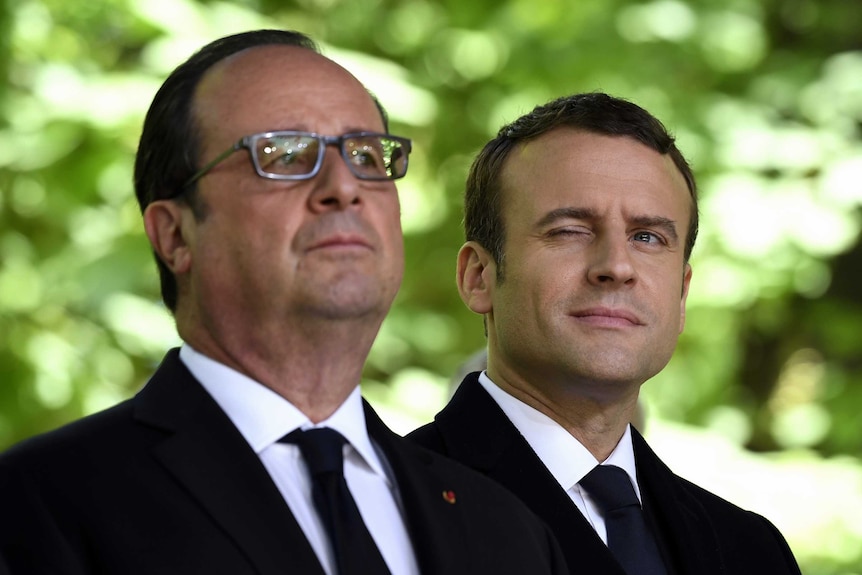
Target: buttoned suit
700,533
165,484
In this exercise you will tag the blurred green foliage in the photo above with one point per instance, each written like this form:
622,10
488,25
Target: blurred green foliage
765,97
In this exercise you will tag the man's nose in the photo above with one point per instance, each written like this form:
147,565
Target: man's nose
611,262
335,186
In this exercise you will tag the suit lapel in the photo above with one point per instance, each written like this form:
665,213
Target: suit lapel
438,530
687,528
210,458
476,432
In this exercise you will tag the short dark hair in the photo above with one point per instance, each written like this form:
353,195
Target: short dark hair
593,112
169,149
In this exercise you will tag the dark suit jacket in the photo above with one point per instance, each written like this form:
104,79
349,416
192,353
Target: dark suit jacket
165,484
703,534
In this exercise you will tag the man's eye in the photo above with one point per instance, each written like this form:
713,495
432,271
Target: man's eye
568,231
367,157
646,237
287,158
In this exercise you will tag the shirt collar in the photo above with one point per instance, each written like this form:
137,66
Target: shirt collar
263,417
565,457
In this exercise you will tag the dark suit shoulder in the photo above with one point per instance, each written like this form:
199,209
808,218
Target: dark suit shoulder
746,542
48,488
162,483
113,430
471,428
75,468
750,542
429,437
99,432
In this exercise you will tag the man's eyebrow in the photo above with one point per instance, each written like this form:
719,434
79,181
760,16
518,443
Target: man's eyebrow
566,213
666,224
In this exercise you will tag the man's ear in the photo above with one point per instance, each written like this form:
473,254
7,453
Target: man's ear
476,277
166,223
686,282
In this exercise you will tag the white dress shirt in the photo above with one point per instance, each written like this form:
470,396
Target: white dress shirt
564,456
263,417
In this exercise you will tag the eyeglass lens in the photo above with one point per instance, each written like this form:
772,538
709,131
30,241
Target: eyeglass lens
374,157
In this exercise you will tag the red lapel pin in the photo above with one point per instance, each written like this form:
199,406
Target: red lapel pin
449,496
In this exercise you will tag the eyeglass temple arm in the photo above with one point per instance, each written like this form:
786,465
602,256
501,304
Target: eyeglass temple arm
238,145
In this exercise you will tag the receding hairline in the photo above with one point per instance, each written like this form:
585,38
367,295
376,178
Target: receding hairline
226,65
299,52
230,69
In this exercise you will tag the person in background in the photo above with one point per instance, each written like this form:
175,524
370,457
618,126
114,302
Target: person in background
266,178
580,219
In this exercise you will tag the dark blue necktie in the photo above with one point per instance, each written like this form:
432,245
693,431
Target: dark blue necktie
354,549
629,537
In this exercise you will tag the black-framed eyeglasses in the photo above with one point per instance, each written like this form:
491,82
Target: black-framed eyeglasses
291,155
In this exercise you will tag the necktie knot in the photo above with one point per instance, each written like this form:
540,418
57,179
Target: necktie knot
321,448
610,488
629,537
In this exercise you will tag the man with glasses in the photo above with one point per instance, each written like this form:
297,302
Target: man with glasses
265,175
580,218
